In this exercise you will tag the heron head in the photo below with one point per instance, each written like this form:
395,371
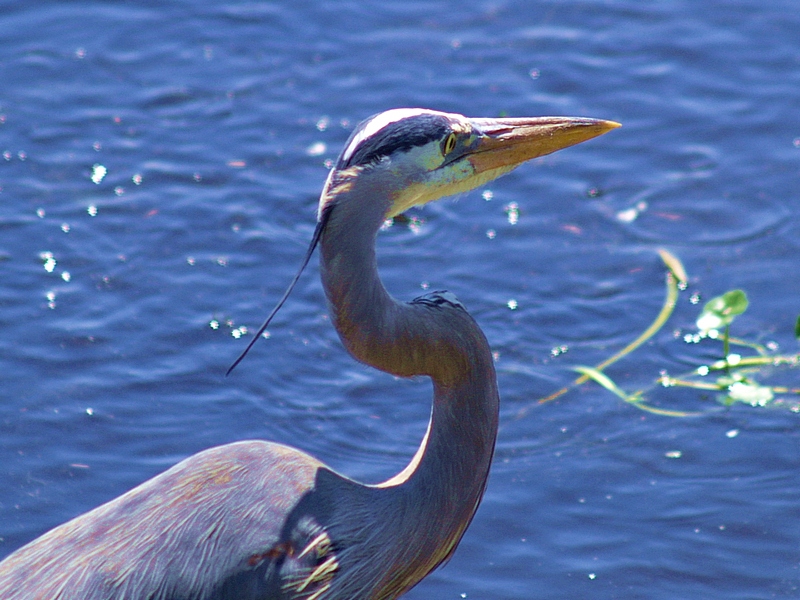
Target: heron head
410,156
421,155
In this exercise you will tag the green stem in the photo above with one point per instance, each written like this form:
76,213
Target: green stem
726,347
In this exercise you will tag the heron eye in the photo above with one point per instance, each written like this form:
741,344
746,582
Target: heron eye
449,144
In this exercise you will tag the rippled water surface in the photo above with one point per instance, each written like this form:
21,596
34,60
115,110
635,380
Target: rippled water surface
160,170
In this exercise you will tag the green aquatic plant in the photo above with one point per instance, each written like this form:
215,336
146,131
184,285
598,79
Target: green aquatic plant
736,374
733,377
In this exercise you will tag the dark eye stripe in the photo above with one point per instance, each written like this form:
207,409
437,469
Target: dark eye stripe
399,136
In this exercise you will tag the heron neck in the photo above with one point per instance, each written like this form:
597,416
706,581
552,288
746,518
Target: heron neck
445,481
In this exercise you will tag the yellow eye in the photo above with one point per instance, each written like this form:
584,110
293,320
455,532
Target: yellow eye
449,144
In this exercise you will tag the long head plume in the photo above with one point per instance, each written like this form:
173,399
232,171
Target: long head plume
323,218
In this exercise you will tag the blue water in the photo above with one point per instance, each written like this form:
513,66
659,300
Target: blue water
206,128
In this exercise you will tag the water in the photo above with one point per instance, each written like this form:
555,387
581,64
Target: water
214,123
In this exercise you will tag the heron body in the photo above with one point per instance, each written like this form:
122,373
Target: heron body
259,520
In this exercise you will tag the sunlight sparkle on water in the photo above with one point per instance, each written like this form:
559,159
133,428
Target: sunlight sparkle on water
415,225
754,395
316,149
629,215
98,173
49,261
709,322
512,210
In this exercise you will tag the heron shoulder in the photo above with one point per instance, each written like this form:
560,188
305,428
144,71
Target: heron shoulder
439,298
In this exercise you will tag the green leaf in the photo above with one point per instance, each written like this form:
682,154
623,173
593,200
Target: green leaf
736,301
719,312
797,328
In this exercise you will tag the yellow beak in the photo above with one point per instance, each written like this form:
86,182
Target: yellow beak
507,143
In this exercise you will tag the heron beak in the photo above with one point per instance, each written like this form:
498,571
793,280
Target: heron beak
507,143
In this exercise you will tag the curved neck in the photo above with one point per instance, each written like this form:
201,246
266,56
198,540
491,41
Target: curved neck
435,497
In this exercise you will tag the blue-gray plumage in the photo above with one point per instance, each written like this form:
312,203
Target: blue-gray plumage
258,520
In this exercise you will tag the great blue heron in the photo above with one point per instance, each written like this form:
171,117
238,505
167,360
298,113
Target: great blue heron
256,519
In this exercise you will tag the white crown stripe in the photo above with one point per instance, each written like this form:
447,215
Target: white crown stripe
382,120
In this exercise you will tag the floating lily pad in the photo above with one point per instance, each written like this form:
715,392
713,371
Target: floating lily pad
720,312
